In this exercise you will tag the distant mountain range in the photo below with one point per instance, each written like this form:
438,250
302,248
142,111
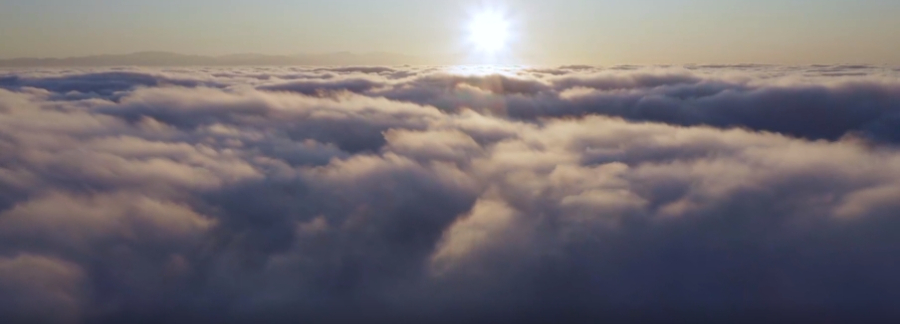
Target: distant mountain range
174,59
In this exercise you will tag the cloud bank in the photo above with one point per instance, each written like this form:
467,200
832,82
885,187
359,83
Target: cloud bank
434,194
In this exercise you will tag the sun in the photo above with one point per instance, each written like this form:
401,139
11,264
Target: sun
489,31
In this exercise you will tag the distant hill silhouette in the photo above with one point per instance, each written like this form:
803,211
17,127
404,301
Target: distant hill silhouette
174,59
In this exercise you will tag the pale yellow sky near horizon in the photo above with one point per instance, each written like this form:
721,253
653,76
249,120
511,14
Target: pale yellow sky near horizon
563,31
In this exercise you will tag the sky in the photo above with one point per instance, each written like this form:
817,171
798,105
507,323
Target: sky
562,31
590,186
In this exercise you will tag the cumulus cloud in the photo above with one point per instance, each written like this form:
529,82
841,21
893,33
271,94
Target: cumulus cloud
376,194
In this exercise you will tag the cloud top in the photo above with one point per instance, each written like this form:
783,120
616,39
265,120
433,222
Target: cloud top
377,194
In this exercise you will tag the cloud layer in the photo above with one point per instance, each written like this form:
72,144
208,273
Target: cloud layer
510,195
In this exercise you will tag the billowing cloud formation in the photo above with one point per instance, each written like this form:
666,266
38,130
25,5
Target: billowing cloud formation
703,193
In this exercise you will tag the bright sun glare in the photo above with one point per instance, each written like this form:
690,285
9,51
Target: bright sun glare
489,31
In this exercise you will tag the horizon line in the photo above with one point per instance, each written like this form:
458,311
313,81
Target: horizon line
233,59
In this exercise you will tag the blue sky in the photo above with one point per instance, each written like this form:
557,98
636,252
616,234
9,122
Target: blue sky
599,31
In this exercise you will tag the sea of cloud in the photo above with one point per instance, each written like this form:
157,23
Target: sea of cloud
449,194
